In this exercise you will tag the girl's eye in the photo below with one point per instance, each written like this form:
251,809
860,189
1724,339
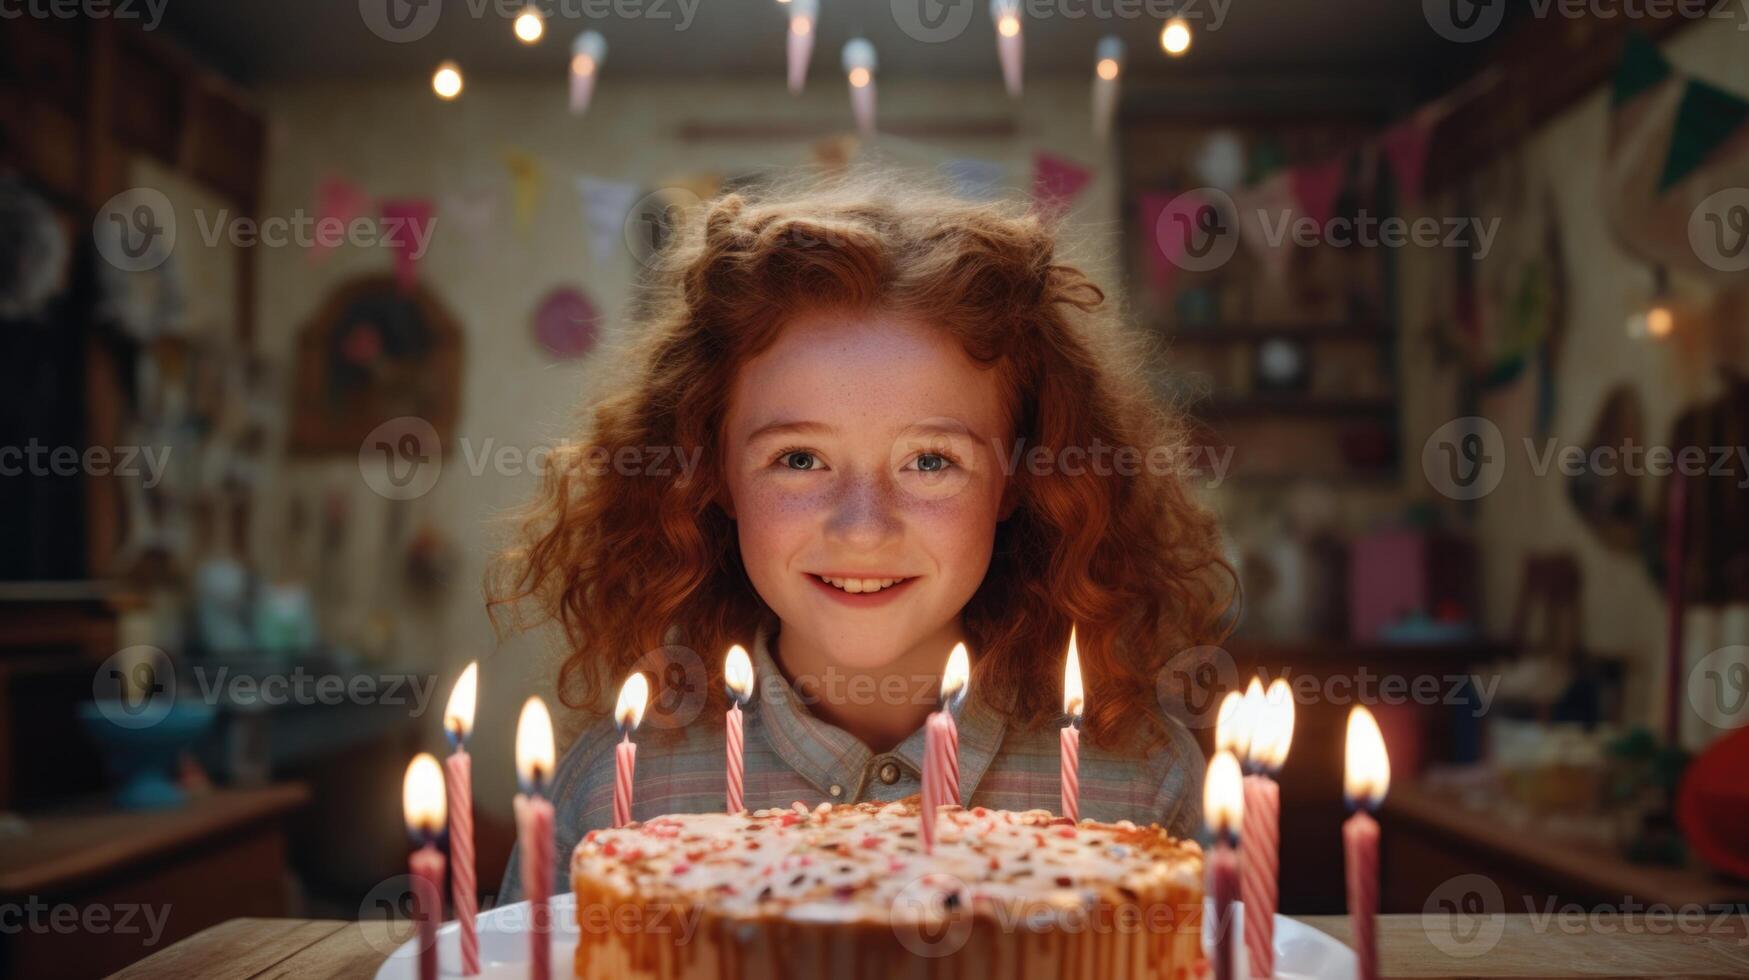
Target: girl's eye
935,462
798,459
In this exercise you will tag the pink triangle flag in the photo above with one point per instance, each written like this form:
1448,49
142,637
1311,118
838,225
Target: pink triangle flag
1056,182
1405,147
407,227
1317,186
338,202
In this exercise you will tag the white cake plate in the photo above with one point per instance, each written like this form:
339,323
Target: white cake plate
1301,952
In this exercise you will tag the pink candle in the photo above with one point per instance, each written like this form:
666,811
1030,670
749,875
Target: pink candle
534,823
534,830
634,694
1071,735
1365,779
1360,841
426,863
738,679
423,803
935,737
458,721
953,691
1259,879
1223,806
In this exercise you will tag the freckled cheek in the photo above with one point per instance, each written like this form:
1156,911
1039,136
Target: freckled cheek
777,522
958,530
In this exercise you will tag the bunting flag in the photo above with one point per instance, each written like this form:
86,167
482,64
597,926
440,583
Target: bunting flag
1317,186
407,227
337,199
975,180
1056,182
474,212
1264,209
1405,148
605,206
1150,209
565,323
526,179
1707,120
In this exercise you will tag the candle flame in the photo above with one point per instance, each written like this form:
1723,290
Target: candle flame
1367,772
458,714
1074,700
1223,795
634,696
953,679
1272,727
534,745
422,797
1229,735
738,674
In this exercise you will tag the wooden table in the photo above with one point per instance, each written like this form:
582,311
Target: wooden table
1408,947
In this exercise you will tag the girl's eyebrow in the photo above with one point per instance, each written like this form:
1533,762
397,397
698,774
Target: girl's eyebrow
774,429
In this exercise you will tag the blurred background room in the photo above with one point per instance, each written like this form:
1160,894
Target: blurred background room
296,297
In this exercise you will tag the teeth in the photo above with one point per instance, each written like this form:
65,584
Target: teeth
856,585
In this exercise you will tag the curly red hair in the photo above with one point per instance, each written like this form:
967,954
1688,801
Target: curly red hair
1131,559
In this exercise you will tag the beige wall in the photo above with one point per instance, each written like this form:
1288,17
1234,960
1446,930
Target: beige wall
397,140
1622,610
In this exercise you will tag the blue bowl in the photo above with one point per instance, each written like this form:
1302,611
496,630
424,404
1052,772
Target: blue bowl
143,752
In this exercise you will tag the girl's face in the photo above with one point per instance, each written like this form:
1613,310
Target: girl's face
862,448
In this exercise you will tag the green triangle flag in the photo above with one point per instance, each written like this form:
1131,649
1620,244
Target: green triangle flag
1642,68
1704,121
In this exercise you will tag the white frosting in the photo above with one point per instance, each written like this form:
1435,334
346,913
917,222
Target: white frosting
845,863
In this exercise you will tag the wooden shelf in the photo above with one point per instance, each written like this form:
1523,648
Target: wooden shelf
1295,404
1250,333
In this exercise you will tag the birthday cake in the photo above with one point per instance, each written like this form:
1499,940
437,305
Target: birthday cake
848,891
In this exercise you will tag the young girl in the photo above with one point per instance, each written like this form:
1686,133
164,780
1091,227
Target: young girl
864,423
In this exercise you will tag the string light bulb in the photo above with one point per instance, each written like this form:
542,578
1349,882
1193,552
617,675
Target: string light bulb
1006,14
529,25
1107,67
860,64
1175,36
588,51
446,81
800,43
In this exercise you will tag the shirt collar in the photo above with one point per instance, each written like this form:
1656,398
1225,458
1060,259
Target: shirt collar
825,754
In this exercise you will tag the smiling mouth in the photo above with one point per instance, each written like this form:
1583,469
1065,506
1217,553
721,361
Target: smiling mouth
861,586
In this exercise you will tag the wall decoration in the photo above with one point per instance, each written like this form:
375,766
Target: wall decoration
975,180
566,323
1056,182
526,179
408,225
1611,506
605,206
338,200
373,352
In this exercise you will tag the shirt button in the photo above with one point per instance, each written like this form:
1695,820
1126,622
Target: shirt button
836,790
889,774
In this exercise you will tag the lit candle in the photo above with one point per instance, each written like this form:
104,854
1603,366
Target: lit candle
634,694
422,804
941,763
1366,777
1223,807
1073,701
534,829
738,679
458,723
1270,718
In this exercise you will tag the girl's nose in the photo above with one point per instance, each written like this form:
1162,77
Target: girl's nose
863,514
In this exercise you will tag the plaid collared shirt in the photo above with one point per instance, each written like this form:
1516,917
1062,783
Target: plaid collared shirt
791,755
